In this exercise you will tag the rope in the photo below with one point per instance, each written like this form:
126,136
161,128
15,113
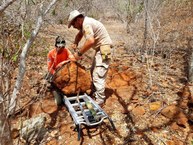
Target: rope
76,78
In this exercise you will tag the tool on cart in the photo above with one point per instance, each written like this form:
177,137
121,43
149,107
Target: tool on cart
83,115
91,109
92,112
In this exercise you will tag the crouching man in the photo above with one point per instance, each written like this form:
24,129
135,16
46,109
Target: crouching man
56,58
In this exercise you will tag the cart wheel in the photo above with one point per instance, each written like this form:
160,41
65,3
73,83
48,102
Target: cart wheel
112,124
57,98
79,131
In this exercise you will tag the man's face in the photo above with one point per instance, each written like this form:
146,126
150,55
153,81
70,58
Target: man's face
76,24
59,50
59,47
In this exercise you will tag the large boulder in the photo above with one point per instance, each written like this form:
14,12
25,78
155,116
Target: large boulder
72,78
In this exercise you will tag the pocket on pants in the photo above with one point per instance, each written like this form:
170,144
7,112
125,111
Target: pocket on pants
105,52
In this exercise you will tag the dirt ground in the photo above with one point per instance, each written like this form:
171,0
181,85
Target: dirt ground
146,100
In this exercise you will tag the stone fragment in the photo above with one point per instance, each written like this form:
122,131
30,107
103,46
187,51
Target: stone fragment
154,106
138,111
170,111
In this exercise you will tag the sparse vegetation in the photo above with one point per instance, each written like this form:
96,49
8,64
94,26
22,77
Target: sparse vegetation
160,31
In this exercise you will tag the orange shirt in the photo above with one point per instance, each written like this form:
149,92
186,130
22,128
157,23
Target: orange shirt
53,59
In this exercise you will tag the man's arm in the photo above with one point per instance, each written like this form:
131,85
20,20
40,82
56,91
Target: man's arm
50,64
89,35
77,40
62,63
87,45
78,37
70,55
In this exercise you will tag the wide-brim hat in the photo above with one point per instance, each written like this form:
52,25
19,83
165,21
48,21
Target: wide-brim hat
72,16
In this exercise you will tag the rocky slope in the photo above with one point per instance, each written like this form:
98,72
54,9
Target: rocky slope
149,101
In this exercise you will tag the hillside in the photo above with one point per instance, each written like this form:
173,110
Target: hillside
148,97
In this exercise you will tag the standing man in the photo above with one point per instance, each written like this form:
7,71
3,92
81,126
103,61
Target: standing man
97,38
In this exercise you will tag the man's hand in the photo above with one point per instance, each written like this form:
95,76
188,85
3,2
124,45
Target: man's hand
76,56
74,47
62,63
49,77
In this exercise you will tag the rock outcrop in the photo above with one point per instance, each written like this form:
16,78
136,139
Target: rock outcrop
73,77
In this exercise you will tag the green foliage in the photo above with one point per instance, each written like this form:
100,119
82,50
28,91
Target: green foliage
9,55
40,48
134,9
45,52
10,34
121,6
29,2
54,12
65,3
27,33
140,8
61,21
15,57
192,142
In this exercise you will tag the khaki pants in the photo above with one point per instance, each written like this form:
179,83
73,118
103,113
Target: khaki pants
99,71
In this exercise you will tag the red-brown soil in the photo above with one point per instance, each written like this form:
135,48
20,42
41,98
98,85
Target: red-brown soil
149,102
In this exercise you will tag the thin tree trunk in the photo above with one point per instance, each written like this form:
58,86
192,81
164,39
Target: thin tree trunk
190,61
5,137
23,55
145,26
5,5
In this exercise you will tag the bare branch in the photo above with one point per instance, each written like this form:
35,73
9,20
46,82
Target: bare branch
1,97
25,49
5,5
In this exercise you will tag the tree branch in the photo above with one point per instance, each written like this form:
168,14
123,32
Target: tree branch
24,52
5,5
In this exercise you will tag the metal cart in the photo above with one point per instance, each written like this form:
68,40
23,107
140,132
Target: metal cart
82,115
